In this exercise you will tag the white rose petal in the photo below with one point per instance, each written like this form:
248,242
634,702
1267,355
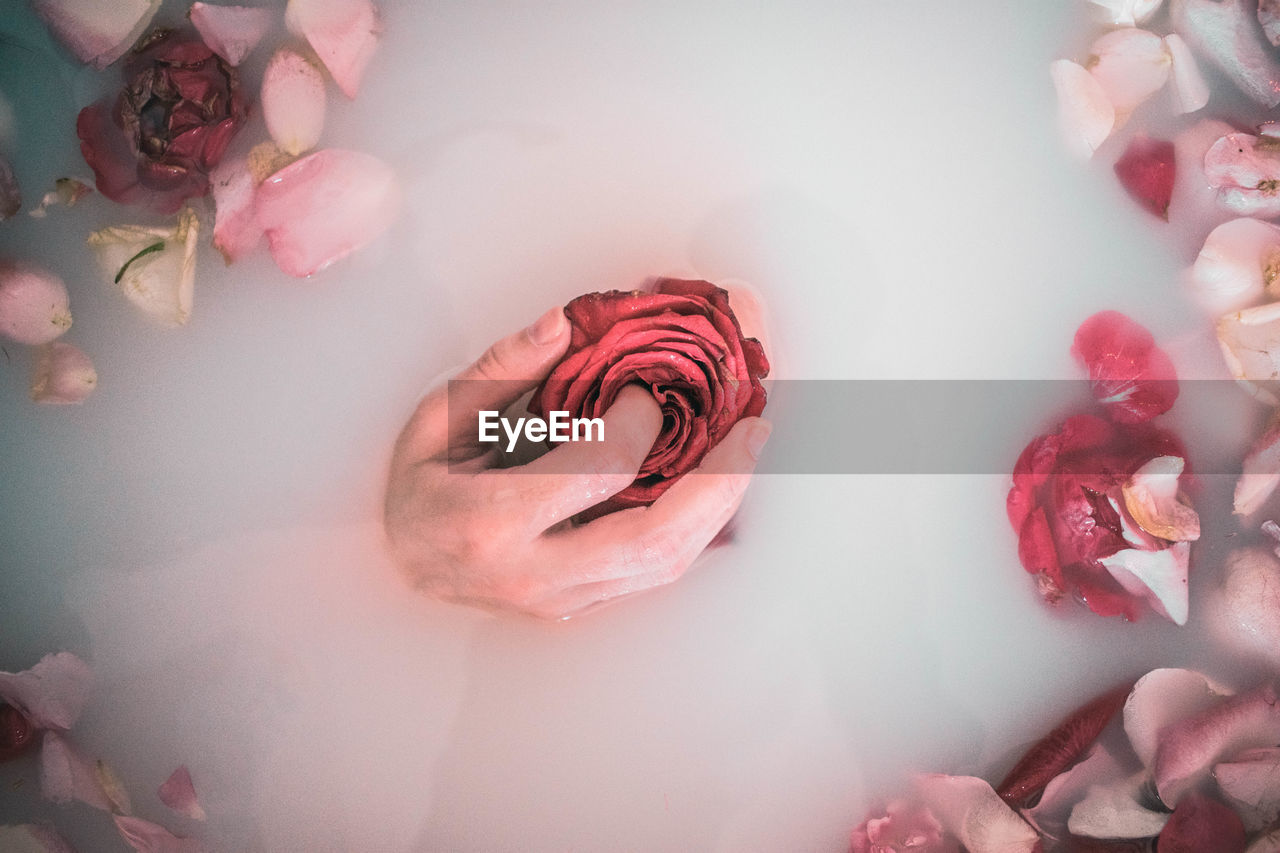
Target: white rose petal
1189,86
1085,114
154,266
97,31
1159,576
293,101
1132,65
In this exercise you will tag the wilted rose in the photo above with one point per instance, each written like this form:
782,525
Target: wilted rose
682,343
180,108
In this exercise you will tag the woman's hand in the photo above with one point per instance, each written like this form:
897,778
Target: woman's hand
503,539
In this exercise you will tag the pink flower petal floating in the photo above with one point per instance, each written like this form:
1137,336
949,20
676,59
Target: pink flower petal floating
1159,576
1060,749
66,775
52,693
1261,472
236,231
62,374
1131,64
1126,13
1115,811
34,305
343,33
1269,17
1246,607
97,33
1085,114
1200,824
1128,374
147,837
1239,261
1050,815
1188,748
10,194
1250,342
230,31
1250,782
1160,698
1225,32
905,828
1154,499
1190,90
969,809
1245,170
293,101
1147,170
326,206
179,794
32,838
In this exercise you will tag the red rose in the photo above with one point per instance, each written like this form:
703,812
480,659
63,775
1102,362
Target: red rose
180,107
683,343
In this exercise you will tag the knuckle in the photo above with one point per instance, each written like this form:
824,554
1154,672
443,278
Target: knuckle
495,363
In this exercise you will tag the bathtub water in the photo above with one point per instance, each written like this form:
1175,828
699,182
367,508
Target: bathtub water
204,531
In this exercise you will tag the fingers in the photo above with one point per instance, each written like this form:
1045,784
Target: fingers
507,369
578,475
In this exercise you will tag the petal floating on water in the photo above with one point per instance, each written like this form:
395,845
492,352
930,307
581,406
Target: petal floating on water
147,837
1190,90
96,32
1085,114
1250,782
1147,170
1225,32
1245,609
155,267
230,31
1131,64
343,33
62,374
1161,697
1153,498
1126,13
52,693
235,226
66,775
293,101
1239,259
179,793
34,305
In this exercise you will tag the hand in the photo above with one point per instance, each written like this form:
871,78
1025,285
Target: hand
504,539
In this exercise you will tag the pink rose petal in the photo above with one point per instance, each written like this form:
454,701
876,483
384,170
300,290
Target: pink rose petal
1250,782
1250,343
1200,824
1147,170
1085,114
1225,32
1190,90
147,837
1068,788
1240,258
236,231
1126,13
1160,698
1245,170
343,33
293,101
66,775
1189,747
904,826
969,809
326,206
34,306
31,838
230,31
1261,472
1131,64
179,794
97,32
1129,375
1158,576
1245,609
63,374
52,693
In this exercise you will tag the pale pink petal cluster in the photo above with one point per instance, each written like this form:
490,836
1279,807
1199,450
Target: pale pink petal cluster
343,33
62,374
230,31
34,304
97,32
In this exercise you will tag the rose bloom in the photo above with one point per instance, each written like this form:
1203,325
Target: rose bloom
904,828
180,107
1100,513
683,343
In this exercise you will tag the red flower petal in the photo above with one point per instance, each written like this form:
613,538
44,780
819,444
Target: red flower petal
1147,170
1129,375
1202,825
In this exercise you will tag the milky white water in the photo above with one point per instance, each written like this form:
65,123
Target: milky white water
204,531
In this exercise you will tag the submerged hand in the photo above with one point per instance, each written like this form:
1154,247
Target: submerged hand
503,538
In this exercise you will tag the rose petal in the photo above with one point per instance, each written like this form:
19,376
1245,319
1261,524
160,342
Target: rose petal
1268,843
1245,169
34,306
1189,747
30,838
326,206
1245,609
293,101
52,693
903,826
1225,32
1085,114
10,194
1261,472
1147,170
147,837
179,794
1162,697
1049,816
66,775
1131,65
343,33
1239,260
235,226
1126,13
62,374
969,809
1114,810
1250,782
159,281
1190,90
1200,824
1152,496
1128,374
1250,343
96,32
1158,576
230,31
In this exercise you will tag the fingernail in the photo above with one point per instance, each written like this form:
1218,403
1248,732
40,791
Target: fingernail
548,327
757,435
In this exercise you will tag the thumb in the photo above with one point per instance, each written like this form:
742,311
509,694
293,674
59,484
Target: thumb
525,357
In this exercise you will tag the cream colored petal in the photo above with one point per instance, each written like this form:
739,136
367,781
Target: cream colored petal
1154,500
1131,65
1239,259
161,282
1158,576
1085,114
1190,90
